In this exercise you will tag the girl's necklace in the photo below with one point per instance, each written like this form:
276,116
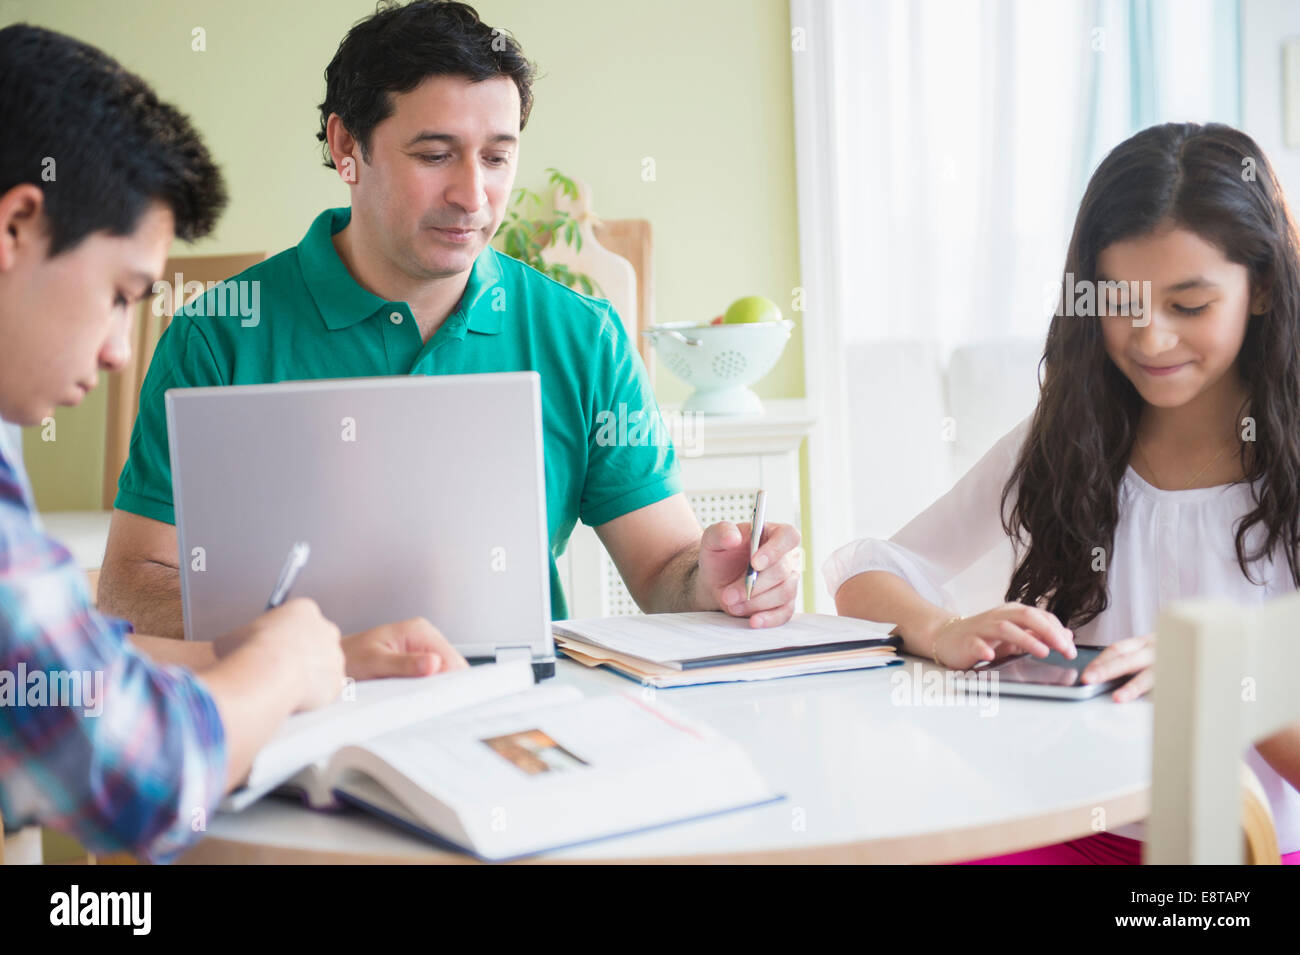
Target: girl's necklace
1194,477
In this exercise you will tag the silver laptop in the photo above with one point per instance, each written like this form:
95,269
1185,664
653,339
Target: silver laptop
418,496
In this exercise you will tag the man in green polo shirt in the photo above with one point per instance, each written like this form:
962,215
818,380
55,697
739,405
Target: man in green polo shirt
423,109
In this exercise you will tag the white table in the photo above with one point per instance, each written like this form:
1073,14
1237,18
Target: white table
869,778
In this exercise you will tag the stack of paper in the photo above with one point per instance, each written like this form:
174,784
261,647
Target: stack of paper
687,649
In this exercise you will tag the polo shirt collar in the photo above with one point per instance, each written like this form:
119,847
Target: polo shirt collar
479,306
342,302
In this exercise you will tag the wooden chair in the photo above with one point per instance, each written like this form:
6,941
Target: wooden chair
632,239
124,386
1226,676
124,390
1258,832
618,254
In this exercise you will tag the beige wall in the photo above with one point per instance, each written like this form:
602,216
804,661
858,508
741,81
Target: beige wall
703,88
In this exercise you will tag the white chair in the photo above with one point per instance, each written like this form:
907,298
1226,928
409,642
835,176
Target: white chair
919,420
22,847
1226,676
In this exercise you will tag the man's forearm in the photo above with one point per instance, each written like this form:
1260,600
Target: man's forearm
146,593
676,588
195,654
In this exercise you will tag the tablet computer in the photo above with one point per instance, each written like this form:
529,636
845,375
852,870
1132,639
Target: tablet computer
1051,677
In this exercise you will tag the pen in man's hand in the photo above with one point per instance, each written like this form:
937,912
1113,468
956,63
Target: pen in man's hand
293,564
755,538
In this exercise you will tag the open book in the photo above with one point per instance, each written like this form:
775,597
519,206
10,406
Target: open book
298,751
521,772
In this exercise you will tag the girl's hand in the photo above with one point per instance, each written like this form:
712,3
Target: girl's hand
1010,628
1135,655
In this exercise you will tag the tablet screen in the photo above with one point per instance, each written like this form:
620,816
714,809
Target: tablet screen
1053,669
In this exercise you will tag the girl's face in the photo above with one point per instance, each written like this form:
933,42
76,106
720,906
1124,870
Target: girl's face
1189,334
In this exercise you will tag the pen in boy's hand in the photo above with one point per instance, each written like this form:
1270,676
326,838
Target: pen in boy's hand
293,564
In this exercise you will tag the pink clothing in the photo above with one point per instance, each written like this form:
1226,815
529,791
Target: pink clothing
1104,848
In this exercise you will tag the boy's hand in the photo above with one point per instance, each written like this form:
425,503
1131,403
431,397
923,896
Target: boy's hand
298,637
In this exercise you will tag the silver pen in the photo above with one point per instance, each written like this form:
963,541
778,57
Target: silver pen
755,538
293,564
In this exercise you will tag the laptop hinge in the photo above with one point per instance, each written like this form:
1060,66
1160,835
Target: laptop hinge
506,654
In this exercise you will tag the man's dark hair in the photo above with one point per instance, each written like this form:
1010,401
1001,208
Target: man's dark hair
399,47
97,141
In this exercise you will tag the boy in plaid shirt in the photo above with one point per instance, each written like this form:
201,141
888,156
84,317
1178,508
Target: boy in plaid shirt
126,742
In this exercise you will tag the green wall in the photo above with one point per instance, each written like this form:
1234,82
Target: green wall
702,88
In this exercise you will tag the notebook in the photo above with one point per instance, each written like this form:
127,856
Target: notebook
689,649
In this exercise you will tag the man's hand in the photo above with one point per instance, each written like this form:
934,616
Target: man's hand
724,559
412,647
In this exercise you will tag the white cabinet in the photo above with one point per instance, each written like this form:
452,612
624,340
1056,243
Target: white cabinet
723,462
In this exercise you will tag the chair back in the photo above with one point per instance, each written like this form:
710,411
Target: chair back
1226,677
186,278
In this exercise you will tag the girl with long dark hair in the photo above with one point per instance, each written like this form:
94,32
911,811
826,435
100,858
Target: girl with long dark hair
1163,458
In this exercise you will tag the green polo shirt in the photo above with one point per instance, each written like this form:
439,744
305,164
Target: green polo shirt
606,449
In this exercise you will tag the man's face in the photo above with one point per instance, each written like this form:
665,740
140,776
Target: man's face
440,174
64,318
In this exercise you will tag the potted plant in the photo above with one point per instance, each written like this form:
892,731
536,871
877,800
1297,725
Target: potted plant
525,232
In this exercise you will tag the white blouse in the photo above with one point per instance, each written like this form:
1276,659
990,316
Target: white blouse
1168,545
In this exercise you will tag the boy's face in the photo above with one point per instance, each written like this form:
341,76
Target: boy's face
64,318
440,173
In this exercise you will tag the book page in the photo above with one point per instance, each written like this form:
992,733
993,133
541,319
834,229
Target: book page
551,776
374,708
470,757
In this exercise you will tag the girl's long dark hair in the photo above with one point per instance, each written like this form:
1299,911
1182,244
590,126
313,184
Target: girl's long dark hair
1063,495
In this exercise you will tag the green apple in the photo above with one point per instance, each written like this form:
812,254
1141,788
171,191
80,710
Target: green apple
752,308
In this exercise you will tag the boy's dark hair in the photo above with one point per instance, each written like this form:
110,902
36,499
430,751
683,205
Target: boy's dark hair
97,141
399,47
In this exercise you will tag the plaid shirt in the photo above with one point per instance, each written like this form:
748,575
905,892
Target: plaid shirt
95,739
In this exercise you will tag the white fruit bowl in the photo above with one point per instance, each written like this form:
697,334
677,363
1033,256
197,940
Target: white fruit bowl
720,361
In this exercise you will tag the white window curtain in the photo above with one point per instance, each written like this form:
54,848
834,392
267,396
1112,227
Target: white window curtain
943,147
